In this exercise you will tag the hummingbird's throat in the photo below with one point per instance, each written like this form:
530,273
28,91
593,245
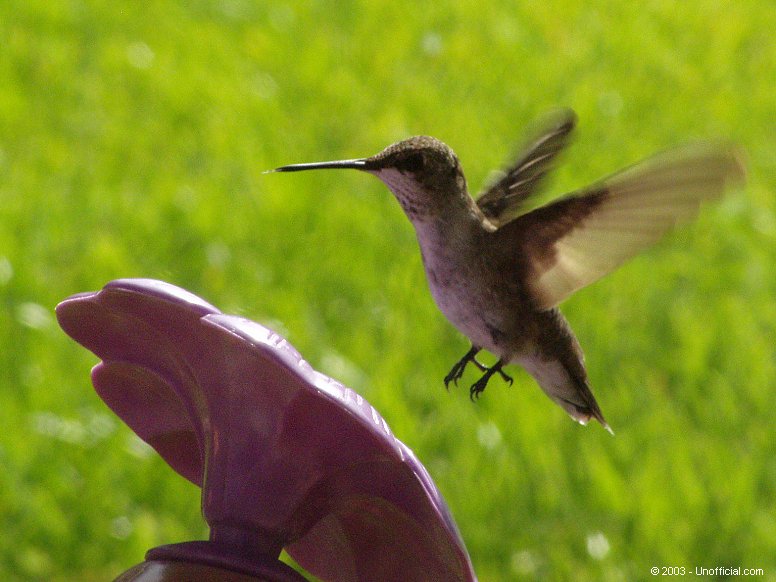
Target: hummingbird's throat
412,196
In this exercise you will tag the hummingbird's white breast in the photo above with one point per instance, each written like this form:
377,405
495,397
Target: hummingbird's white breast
450,230
458,278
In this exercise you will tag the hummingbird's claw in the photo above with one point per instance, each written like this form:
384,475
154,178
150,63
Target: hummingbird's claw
479,386
454,375
457,371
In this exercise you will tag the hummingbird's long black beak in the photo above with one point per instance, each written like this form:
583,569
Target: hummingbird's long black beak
359,164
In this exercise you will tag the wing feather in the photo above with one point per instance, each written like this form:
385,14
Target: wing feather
574,241
505,198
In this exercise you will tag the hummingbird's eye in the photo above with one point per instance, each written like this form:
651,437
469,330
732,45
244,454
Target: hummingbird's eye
414,162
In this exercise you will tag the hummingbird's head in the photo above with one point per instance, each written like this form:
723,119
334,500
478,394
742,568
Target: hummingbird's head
422,172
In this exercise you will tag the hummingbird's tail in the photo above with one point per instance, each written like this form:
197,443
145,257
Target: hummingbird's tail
565,388
558,367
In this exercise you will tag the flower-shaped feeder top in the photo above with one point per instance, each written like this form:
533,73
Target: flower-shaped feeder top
286,456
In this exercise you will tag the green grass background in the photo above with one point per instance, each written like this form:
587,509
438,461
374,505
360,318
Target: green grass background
133,136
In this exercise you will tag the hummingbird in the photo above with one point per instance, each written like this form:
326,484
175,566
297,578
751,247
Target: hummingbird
498,265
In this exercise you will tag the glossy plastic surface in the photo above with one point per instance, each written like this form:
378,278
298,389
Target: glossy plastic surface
286,456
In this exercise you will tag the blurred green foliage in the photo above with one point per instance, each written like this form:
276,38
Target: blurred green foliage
132,140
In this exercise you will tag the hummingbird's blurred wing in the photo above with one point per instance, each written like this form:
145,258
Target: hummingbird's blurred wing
505,198
576,240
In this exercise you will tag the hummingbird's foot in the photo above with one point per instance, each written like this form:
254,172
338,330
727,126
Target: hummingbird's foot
479,386
457,371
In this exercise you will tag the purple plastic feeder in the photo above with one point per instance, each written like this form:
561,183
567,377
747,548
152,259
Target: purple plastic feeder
286,457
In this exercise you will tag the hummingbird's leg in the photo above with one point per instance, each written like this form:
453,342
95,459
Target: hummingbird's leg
480,366
479,386
457,371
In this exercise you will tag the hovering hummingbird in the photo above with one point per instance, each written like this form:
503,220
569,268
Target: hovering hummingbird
497,268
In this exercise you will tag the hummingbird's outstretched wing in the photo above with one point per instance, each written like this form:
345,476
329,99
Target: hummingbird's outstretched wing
576,240
504,199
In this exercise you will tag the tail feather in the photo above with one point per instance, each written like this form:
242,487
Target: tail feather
557,363
566,388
